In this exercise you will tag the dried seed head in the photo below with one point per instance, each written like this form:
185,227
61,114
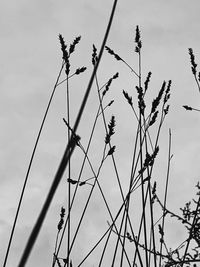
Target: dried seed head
63,48
71,181
82,183
111,127
80,70
62,215
153,192
156,101
146,83
187,107
128,98
138,40
167,92
154,117
141,103
94,55
110,103
192,60
111,52
75,42
111,151
109,83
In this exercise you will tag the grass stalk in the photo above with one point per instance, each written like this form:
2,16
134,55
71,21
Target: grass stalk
29,167
67,154
69,174
165,196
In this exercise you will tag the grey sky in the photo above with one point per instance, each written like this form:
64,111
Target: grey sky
30,59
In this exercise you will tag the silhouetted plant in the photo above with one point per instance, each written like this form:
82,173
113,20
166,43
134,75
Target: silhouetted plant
144,244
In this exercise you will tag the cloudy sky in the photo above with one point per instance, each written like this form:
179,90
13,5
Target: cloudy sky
30,59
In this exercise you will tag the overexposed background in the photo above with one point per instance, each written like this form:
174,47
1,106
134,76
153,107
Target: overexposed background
30,59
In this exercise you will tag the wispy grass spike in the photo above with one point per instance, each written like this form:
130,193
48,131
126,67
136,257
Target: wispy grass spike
141,103
190,108
167,92
63,47
111,127
94,55
65,54
146,83
61,222
138,40
111,150
128,98
156,101
80,70
108,84
71,181
154,196
153,119
194,67
149,160
111,52
187,107
192,60
110,103
73,45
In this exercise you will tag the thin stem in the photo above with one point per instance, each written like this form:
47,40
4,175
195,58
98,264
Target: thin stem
141,165
118,236
29,167
67,154
85,207
80,173
165,197
106,232
69,175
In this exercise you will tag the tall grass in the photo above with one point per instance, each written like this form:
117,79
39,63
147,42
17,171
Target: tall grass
125,242
134,233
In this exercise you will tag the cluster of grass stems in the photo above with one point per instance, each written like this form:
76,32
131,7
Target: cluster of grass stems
132,244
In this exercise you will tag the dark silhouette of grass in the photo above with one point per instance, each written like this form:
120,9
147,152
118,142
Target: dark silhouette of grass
70,146
147,239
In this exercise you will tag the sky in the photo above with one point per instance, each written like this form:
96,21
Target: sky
30,61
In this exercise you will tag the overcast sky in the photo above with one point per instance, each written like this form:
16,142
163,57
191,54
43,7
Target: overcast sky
30,59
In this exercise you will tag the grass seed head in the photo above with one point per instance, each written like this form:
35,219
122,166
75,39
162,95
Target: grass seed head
80,70
111,150
94,55
108,84
111,127
187,107
192,60
138,40
167,92
146,83
141,103
156,101
75,42
110,103
63,48
111,52
154,117
128,98
61,222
